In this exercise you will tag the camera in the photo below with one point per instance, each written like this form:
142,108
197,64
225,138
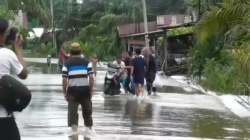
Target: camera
11,35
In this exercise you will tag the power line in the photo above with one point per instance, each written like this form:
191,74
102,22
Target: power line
82,19
156,7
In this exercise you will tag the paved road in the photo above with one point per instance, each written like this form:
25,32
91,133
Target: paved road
178,112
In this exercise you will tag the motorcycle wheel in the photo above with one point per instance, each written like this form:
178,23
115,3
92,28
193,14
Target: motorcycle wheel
111,91
106,89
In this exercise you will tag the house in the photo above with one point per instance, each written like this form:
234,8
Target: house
134,35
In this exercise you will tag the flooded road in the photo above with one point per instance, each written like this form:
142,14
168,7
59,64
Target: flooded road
178,112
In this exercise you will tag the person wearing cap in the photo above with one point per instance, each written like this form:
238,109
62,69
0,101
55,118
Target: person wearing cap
77,85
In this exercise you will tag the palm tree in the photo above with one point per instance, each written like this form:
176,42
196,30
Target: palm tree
36,7
229,14
230,20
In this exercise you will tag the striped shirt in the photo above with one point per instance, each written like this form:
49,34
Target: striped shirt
77,70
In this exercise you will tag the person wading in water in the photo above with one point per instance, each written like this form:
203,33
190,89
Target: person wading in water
62,55
94,60
151,69
77,85
128,58
138,67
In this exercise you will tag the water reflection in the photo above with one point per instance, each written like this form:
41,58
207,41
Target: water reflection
167,116
219,125
138,111
77,137
40,68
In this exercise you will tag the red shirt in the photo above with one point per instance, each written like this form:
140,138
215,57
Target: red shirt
61,56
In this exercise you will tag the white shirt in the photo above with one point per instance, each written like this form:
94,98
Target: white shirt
122,64
8,64
140,56
82,56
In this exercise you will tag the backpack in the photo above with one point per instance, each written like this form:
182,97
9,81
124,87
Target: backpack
14,95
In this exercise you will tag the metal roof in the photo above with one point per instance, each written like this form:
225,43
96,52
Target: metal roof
163,22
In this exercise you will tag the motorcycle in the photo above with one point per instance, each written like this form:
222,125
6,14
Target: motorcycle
112,80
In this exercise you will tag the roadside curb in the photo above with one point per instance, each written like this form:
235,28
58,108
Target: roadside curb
229,101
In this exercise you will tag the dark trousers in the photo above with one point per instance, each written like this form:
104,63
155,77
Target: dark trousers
73,104
60,63
150,78
128,80
8,129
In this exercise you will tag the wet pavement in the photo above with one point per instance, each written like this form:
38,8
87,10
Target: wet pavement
177,112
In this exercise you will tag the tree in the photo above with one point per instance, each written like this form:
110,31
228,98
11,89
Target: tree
229,63
230,14
35,7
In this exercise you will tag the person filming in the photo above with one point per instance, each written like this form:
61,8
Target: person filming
10,63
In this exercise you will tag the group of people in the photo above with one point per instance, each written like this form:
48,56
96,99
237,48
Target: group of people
138,67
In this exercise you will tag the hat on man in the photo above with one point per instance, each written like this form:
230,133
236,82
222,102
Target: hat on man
75,47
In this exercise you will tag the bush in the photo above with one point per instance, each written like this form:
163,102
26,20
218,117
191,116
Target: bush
201,52
222,78
101,46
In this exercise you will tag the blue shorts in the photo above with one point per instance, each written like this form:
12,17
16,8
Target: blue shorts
138,80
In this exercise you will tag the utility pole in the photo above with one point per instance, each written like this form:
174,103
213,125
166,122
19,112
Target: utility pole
199,9
53,28
145,22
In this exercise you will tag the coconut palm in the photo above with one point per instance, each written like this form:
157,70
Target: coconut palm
228,15
36,7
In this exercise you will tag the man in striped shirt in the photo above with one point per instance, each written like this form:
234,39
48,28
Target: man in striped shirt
78,89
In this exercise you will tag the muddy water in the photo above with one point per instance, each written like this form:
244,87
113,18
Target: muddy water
178,112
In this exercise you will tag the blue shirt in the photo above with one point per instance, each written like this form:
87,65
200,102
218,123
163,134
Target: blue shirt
139,64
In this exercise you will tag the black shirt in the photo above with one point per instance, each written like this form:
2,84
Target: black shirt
151,65
128,63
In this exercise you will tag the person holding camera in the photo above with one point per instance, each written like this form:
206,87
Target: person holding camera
13,63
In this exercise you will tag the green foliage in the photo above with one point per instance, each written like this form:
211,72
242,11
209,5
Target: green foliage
201,52
48,49
4,13
221,19
100,47
223,78
176,32
180,31
227,70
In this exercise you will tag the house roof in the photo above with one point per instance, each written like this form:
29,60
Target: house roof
163,22
130,29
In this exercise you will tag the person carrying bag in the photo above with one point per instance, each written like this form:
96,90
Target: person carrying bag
14,96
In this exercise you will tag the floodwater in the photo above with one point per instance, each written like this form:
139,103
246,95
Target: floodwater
177,112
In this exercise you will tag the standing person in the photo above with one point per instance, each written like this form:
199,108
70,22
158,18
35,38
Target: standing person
156,66
138,67
151,69
10,62
94,60
62,55
77,85
128,59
